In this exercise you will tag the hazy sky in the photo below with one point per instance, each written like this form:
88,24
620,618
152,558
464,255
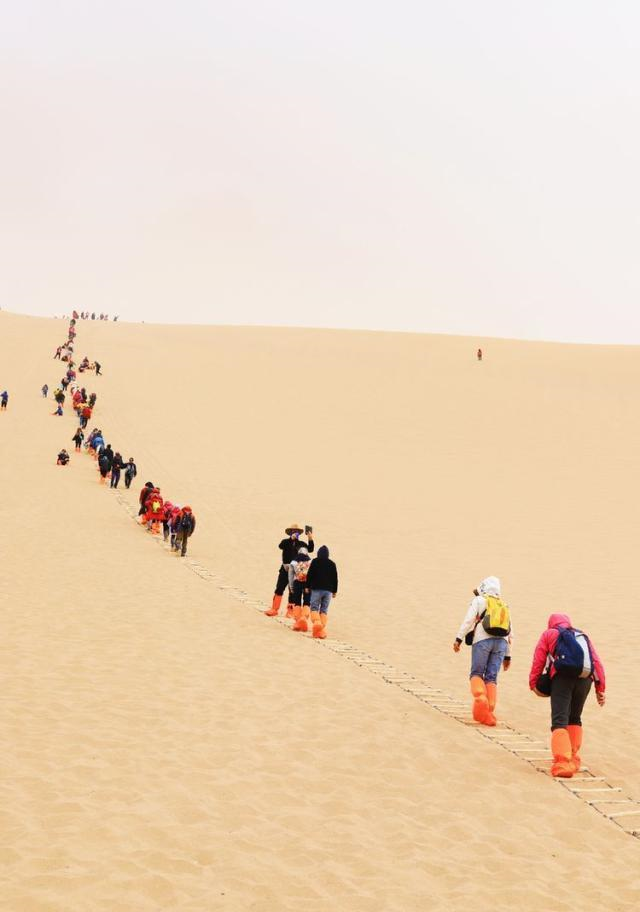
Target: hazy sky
454,166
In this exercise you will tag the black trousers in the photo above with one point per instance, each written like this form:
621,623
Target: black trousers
115,478
127,480
298,595
568,696
282,581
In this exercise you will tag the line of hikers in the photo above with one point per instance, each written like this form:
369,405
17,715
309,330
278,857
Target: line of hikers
564,667
85,315
311,583
177,523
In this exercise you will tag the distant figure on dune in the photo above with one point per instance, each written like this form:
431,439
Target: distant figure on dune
45,391
4,398
85,415
479,354
116,467
63,458
142,499
97,366
289,547
154,511
77,438
322,584
185,527
58,353
565,663
104,465
130,472
487,629
58,411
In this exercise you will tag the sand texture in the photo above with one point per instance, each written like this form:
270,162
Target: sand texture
163,745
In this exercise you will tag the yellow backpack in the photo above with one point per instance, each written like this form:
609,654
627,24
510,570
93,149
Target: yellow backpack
496,619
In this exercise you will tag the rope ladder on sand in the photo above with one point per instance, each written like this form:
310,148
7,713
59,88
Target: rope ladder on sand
607,799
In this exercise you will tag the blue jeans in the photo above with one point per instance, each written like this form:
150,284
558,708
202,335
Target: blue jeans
486,658
320,600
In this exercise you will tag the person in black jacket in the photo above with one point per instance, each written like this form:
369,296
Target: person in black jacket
185,526
289,547
116,466
322,582
130,472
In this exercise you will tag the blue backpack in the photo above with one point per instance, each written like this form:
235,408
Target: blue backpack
572,656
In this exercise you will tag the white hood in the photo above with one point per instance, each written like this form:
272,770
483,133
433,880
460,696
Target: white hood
490,586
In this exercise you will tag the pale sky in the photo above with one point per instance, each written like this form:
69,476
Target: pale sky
463,166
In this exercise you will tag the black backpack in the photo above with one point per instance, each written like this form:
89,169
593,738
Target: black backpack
186,523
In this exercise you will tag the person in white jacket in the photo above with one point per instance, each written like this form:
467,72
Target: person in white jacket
488,653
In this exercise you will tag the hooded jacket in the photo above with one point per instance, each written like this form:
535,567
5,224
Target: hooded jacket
546,646
488,586
322,573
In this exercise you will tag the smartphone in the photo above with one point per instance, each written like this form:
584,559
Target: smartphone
308,530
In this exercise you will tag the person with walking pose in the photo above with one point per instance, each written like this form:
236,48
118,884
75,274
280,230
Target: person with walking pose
565,665
289,547
487,628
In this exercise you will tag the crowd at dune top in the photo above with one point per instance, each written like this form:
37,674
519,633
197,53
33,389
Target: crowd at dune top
565,663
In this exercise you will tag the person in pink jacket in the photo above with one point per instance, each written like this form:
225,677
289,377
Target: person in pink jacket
568,695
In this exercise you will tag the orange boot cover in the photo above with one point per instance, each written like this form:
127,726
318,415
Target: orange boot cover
561,749
481,711
323,624
275,607
290,610
297,617
315,618
492,696
318,631
575,737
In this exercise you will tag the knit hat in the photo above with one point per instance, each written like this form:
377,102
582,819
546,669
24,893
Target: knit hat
323,551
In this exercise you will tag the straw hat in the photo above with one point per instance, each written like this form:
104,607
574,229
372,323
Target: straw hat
293,528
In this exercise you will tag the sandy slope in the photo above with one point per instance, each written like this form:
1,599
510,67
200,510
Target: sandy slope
165,747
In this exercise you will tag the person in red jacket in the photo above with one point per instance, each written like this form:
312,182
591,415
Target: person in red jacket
142,500
154,511
568,694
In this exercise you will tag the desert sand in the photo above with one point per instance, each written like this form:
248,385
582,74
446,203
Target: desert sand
164,745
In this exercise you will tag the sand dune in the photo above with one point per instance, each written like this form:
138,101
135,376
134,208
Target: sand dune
165,746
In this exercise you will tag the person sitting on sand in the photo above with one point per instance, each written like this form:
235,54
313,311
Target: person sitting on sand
63,458
569,672
58,412
322,584
491,646
289,547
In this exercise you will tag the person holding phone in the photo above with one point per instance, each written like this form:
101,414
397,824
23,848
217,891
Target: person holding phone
289,547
